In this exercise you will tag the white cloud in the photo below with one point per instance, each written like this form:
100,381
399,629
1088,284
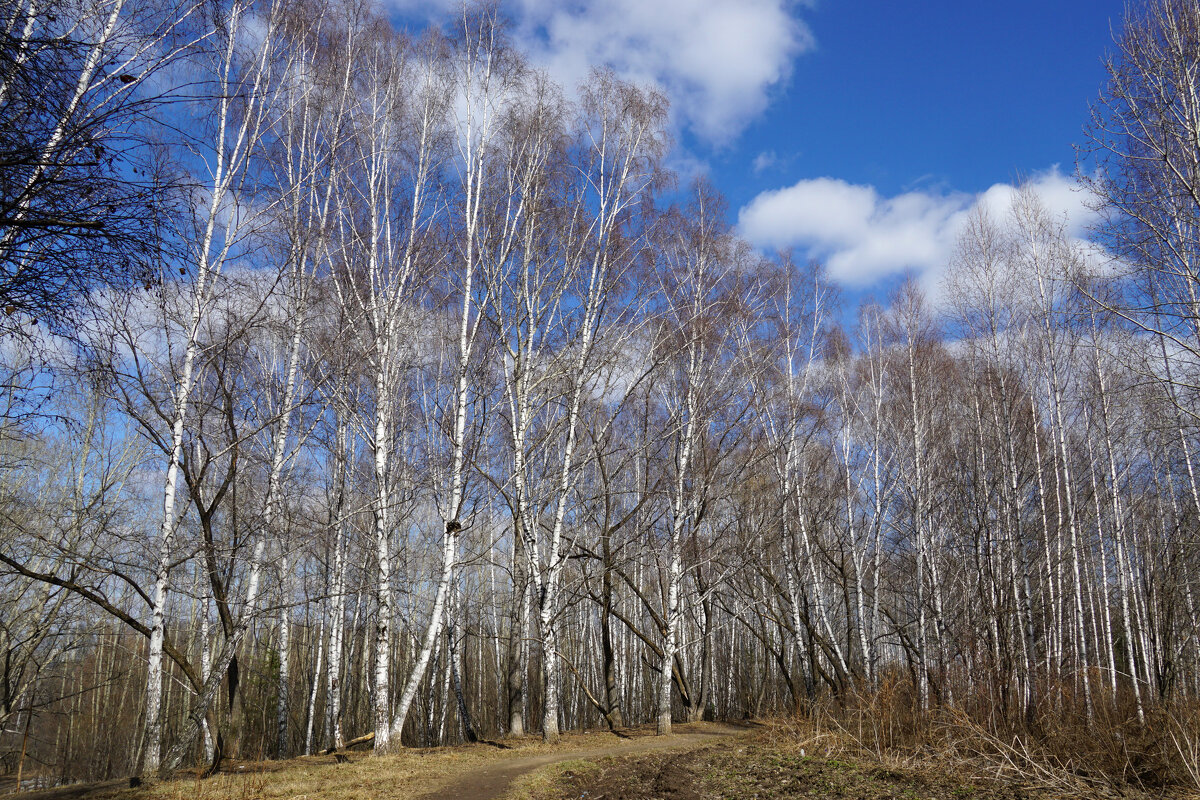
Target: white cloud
863,237
716,60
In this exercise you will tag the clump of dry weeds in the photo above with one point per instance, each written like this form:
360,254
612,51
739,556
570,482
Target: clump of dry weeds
1055,747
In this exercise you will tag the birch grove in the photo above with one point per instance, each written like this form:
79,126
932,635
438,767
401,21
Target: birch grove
438,409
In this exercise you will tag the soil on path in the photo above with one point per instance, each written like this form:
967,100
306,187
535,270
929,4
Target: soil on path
493,780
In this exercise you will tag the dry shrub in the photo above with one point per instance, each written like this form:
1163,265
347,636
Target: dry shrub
1053,746
1183,728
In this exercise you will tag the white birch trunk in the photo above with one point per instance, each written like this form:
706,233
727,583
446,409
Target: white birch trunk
337,595
313,692
283,652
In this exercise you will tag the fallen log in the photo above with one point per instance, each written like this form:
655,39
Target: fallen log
366,737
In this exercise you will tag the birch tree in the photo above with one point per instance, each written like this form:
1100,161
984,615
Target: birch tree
703,304
223,217
483,74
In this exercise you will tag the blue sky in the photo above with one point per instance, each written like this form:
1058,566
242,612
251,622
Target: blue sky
859,132
893,125
954,95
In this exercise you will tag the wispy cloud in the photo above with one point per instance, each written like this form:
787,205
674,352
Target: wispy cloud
864,237
764,161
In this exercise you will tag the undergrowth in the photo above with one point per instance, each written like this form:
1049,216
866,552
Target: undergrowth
1054,744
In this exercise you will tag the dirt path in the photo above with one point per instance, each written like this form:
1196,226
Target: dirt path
492,781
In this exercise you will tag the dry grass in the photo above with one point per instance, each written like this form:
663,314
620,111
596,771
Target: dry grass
404,775
781,759
858,744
